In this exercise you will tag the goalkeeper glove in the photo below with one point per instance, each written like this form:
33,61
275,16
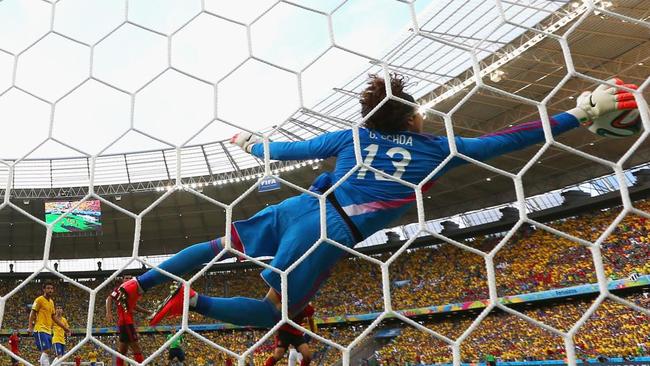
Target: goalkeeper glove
245,140
604,99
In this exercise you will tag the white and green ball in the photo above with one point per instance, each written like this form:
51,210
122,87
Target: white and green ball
617,124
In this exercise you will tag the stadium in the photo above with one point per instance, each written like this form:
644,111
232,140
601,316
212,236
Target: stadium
122,125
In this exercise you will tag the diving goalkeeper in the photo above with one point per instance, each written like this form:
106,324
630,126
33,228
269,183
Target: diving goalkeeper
391,141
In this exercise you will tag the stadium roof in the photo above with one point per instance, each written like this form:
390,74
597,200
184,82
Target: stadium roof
134,158
218,158
601,46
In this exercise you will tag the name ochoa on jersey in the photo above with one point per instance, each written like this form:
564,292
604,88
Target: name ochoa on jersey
398,139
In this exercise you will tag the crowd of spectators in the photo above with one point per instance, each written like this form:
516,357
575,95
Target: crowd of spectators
532,260
200,353
613,330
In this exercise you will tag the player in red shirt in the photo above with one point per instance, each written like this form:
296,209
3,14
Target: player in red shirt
14,342
128,335
289,336
77,360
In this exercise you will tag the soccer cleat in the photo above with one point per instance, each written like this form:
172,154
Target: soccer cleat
128,295
172,306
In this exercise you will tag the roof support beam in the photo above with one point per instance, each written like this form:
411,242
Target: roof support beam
230,159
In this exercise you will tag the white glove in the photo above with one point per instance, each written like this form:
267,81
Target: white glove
245,140
604,99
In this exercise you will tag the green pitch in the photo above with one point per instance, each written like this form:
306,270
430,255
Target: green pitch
70,223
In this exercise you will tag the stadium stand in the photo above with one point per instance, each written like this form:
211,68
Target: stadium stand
423,277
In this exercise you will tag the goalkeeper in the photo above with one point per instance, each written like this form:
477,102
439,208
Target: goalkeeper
391,141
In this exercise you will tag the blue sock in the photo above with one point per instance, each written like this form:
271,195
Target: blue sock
239,310
181,263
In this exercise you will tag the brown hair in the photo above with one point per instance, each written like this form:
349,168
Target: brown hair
393,115
47,283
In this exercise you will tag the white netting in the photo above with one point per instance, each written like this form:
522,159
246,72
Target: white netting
150,80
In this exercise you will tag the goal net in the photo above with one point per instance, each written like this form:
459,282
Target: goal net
103,80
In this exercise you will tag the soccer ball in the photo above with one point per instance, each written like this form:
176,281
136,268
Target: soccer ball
617,124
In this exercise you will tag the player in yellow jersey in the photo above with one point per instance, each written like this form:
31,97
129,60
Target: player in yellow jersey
41,319
59,333
92,357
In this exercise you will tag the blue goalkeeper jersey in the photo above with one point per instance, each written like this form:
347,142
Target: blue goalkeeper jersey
373,201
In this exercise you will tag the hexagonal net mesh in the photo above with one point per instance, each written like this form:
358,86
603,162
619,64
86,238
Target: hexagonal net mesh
122,80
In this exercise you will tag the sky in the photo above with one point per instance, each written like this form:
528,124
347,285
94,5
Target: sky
132,80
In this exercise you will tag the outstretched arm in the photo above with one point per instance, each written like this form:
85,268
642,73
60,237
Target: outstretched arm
320,147
604,99
514,138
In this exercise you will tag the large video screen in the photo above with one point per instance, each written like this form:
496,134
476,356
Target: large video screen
86,217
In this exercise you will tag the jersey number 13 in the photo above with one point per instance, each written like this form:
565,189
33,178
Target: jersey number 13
400,163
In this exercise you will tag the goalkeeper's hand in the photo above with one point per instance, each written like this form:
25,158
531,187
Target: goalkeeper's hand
604,99
245,140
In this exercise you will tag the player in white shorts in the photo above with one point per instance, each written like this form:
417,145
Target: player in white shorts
294,357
